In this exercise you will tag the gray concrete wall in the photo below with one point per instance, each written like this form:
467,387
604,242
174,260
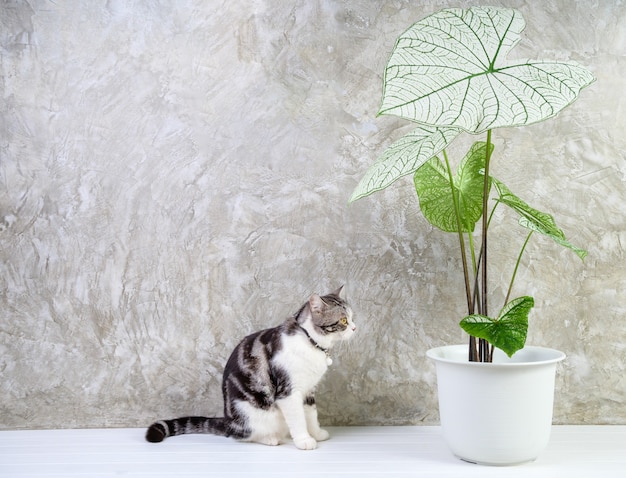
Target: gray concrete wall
175,175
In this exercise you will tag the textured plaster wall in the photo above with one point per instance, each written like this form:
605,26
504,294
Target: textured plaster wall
174,175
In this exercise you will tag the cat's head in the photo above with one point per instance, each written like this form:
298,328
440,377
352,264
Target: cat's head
331,316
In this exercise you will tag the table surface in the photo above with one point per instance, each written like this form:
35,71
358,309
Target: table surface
574,451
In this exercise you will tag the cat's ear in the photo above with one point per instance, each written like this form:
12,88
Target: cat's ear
339,293
316,304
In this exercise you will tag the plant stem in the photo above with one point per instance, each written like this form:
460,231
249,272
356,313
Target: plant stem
493,211
472,252
473,357
485,224
519,258
483,345
476,294
455,199
473,352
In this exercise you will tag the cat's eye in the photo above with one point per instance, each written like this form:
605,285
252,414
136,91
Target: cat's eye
343,321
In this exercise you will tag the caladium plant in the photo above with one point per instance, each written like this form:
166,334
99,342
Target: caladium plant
448,73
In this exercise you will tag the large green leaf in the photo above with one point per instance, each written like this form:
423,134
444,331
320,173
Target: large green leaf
449,69
507,332
432,185
533,219
470,181
404,157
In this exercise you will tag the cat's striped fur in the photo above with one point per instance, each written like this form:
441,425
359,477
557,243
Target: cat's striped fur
270,378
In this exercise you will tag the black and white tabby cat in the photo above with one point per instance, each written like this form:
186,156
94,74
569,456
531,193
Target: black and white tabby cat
270,378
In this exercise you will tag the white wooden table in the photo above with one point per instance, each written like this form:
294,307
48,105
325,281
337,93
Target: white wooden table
574,451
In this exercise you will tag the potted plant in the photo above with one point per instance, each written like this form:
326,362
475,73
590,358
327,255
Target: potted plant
449,75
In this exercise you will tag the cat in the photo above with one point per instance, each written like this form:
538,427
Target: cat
270,378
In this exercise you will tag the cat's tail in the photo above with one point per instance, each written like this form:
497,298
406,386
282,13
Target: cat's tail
159,431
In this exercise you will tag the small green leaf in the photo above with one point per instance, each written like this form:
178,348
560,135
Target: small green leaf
524,222
450,69
432,185
533,219
404,157
507,332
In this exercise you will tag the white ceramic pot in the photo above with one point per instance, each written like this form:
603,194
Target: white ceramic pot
496,413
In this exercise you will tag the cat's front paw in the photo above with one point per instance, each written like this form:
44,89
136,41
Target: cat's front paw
321,435
306,443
